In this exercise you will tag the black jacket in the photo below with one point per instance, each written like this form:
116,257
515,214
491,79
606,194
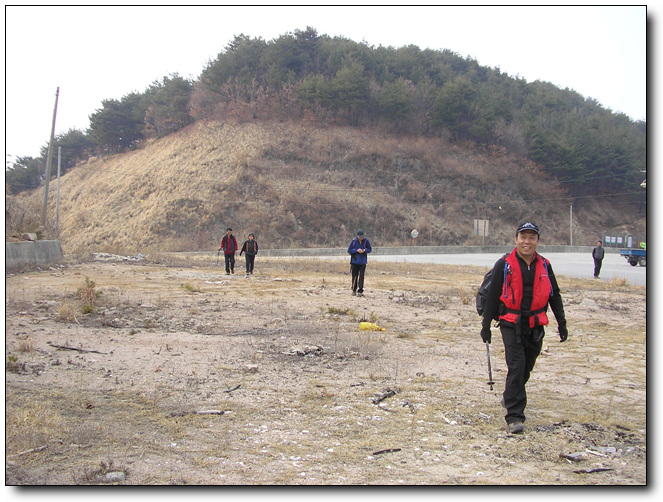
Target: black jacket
249,247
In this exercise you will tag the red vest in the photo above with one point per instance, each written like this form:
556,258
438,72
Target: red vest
512,291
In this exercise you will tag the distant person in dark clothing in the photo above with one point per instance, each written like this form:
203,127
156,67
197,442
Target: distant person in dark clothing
229,246
250,250
522,288
358,249
597,253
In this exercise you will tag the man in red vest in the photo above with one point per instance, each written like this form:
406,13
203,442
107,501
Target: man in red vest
523,286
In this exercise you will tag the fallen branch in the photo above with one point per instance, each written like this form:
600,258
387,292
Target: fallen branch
408,404
66,347
200,412
232,388
589,471
40,448
381,397
389,450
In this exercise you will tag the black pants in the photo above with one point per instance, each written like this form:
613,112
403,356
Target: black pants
230,262
250,258
597,267
520,352
357,277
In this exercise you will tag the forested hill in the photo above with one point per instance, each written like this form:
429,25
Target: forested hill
305,77
401,127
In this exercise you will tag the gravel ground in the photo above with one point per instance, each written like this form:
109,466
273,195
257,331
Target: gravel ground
154,372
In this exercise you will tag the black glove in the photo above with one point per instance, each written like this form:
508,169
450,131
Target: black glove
486,335
563,332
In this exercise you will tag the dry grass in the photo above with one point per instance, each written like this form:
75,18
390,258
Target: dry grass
67,312
283,181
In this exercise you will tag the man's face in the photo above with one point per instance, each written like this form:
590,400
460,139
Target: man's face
526,244
228,232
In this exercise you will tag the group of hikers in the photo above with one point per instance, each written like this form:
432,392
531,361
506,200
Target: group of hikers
229,248
522,288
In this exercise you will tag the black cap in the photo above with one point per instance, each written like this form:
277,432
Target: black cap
528,226
360,233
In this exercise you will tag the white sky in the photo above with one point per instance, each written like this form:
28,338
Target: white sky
95,53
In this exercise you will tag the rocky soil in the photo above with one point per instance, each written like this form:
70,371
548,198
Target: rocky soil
157,371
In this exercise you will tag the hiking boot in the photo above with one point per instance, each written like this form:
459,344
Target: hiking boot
360,294
354,293
515,428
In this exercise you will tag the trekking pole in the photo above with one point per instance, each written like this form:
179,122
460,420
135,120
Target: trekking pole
217,257
490,371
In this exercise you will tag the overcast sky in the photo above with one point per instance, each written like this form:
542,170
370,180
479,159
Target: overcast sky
96,53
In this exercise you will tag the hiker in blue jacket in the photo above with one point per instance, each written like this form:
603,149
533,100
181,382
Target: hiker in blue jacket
358,249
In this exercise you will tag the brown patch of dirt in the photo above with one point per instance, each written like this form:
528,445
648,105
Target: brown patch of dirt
179,374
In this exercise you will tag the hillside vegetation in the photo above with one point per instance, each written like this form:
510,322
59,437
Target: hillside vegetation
296,185
310,79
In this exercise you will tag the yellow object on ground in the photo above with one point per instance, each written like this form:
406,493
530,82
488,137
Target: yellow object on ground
370,326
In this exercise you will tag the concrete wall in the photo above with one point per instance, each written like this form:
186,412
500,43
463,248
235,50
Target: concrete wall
32,253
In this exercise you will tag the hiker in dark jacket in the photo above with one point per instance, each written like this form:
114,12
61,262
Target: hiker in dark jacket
598,253
523,286
250,250
229,246
358,249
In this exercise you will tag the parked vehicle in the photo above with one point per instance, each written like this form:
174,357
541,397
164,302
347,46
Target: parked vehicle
635,256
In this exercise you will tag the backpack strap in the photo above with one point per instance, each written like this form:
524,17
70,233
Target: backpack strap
505,278
545,265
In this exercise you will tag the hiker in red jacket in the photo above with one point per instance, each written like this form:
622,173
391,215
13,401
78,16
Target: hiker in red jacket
229,246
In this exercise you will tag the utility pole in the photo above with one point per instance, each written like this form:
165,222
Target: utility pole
57,199
571,223
49,156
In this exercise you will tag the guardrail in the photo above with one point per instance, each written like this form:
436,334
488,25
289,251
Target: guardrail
405,250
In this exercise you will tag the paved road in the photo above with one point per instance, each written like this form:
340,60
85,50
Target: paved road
572,264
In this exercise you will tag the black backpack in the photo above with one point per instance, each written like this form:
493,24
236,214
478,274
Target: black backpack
483,291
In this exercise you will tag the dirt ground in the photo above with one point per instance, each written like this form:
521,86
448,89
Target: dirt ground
163,370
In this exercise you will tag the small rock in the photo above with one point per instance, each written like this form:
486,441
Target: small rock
305,350
115,477
576,457
252,368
